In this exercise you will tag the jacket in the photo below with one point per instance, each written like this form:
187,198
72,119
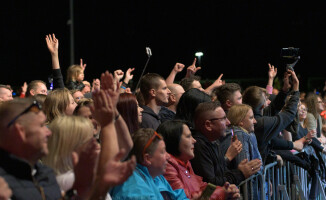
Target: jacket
72,85
249,146
26,182
150,118
140,185
267,127
180,175
209,163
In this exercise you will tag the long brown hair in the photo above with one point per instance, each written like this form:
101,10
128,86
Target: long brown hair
127,107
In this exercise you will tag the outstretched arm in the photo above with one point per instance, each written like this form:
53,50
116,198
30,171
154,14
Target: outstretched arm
272,72
192,69
218,82
53,45
178,67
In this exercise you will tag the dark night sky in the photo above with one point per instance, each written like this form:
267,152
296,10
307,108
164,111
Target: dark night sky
238,38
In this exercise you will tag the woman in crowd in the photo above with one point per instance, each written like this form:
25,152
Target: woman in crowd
315,106
147,181
68,134
130,111
59,102
179,173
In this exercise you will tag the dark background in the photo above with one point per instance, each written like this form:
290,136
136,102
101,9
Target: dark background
238,38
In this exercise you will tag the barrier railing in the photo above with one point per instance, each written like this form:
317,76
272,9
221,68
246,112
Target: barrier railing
288,182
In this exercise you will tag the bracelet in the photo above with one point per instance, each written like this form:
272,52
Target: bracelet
123,87
124,84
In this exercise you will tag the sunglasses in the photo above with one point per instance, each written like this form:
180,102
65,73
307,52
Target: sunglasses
35,107
151,140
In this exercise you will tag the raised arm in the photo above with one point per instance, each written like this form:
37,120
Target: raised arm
272,72
53,46
192,69
123,135
178,67
218,82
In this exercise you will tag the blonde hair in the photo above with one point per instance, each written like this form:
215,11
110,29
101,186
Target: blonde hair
72,72
68,134
237,113
56,103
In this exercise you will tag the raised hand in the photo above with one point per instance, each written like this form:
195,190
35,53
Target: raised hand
178,67
96,84
249,168
82,64
108,84
192,69
24,88
102,110
84,160
118,74
128,75
53,43
116,172
272,72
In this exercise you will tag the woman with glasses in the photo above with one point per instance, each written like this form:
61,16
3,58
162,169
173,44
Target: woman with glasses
179,173
147,181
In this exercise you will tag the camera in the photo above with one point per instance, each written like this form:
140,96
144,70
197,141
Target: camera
290,52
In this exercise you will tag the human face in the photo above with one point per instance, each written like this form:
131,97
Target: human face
158,160
186,145
78,96
302,109
36,135
196,84
266,100
80,77
140,112
218,124
41,89
248,122
320,106
237,98
71,106
162,93
5,94
85,111
86,89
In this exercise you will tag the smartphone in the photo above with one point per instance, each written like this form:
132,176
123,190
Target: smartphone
234,137
209,190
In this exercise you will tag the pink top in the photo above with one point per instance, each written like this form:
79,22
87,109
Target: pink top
181,175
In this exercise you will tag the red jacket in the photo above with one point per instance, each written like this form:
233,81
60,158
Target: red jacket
181,175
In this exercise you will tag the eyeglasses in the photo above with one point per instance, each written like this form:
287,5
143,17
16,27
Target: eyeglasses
221,118
320,102
151,140
35,107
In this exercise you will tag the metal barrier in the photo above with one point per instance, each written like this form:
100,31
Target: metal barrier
288,182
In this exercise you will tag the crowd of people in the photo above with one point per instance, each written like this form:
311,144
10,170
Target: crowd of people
167,139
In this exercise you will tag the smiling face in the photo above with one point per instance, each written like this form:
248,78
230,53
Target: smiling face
71,106
186,145
36,135
248,122
158,160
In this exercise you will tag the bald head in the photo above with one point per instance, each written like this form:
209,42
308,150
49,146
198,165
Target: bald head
176,93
